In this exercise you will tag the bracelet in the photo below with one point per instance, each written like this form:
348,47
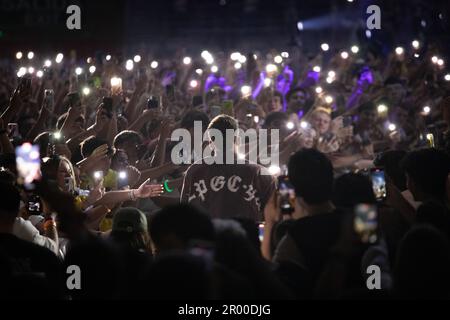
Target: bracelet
49,223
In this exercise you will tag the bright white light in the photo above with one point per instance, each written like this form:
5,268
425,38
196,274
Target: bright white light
193,83
19,55
290,125
271,68
399,51
30,55
256,119
319,89
241,156
344,54
447,77
86,91
205,54
354,49
415,44
57,135
122,175
242,59
97,174
31,70
154,64
316,69
89,60
304,125
274,170
210,60
331,74
325,46
349,0
434,59
255,57
237,65
330,80
92,69
278,59
440,62
285,55
368,34
382,108
199,72
300,26
137,58
40,74
187,60
78,71
235,56
115,81
47,63
267,82
328,99
392,127
426,110
416,55
246,90
214,69
21,72
108,57
59,58
129,65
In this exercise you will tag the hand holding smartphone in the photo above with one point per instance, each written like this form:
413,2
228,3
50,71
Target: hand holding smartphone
365,222
286,194
378,183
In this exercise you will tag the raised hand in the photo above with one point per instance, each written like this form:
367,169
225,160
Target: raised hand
149,190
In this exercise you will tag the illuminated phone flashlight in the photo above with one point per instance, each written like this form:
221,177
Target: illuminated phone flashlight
304,125
382,108
329,80
430,138
47,63
92,69
274,170
246,90
316,69
129,65
187,60
19,55
30,70
240,156
426,110
57,135
416,55
235,56
154,64
256,119
344,54
399,51
39,73
242,59
108,57
325,46
270,68
447,77
331,74
193,83
115,81
98,175
237,65
255,57
300,26
59,58
368,34
285,55
267,82
278,59
78,71
354,49
319,90
21,72
214,69
122,175
290,125
415,44
434,59
137,58
392,127
328,99
199,72
440,62
30,55
86,91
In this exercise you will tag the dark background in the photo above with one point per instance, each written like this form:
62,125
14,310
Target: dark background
166,25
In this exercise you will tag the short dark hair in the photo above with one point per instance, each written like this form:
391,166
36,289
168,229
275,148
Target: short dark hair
274,117
295,90
189,118
223,123
183,221
90,144
351,189
127,136
311,174
390,161
10,204
429,169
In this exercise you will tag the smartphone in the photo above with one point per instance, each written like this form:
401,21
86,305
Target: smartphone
430,140
153,102
34,205
74,99
228,108
286,195
197,101
365,222
107,103
13,130
347,121
378,183
28,164
49,99
261,231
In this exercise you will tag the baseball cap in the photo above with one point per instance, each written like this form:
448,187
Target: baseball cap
129,220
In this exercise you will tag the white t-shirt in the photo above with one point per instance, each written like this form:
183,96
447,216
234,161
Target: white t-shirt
24,229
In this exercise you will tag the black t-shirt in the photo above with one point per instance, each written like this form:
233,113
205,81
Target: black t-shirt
30,267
